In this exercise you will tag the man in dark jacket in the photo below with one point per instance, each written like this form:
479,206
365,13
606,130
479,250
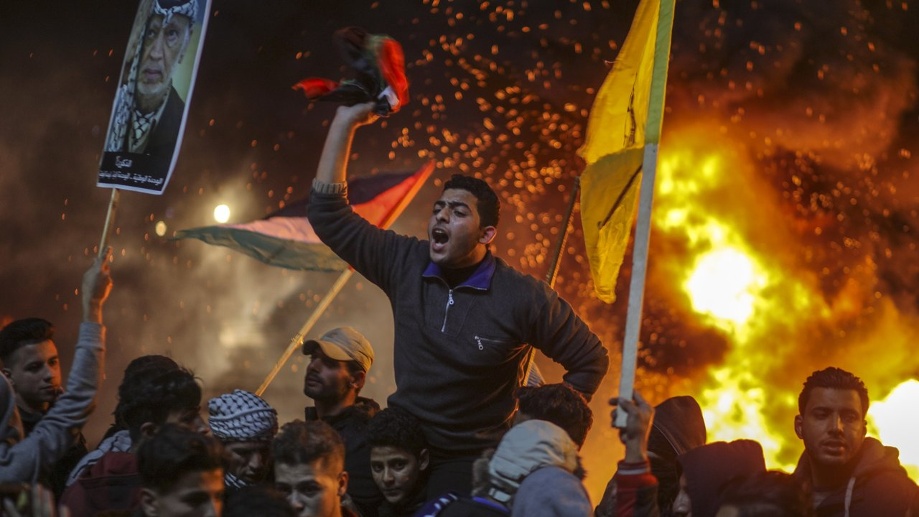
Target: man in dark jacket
337,370
465,321
849,474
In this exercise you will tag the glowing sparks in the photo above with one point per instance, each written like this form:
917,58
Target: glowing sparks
897,423
725,284
222,213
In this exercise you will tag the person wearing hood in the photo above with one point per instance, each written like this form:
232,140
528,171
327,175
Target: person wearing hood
536,472
647,479
335,373
707,470
850,475
32,366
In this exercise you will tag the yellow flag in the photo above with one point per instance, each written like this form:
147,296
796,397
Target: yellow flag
626,116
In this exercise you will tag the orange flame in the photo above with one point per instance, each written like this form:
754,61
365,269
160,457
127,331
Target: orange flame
744,277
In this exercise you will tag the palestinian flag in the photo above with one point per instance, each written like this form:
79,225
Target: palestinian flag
286,238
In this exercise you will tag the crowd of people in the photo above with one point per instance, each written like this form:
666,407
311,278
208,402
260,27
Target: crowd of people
468,432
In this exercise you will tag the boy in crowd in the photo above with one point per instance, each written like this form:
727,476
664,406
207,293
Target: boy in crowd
399,461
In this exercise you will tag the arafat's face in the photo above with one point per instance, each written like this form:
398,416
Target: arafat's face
163,46
456,238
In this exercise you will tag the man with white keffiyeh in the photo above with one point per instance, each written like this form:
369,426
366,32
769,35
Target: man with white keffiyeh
246,425
148,109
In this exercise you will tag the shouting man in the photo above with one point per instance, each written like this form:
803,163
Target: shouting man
465,321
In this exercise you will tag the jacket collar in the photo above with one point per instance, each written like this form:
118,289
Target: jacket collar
480,278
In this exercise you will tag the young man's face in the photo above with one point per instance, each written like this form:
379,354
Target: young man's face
312,489
195,494
163,47
456,238
832,426
248,461
189,418
326,379
396,472
35,372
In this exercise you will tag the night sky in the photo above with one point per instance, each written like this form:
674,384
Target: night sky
811,105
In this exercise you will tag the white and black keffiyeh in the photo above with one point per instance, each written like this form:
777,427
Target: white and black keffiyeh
242,416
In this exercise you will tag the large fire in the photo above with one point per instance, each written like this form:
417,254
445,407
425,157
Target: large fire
742,277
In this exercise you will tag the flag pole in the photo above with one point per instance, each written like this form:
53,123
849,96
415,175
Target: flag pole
646,199
336,288
552,274
297,340
109,221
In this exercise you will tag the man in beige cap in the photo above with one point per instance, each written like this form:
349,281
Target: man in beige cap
336,372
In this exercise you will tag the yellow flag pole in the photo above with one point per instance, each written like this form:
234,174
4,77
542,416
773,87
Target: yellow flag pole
297,341
646,199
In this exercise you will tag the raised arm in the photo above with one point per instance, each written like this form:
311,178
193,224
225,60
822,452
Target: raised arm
333,163
632,492
54,433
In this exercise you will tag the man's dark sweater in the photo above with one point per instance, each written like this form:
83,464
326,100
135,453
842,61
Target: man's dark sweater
460,352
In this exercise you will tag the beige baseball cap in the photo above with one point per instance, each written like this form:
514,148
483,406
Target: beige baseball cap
343,344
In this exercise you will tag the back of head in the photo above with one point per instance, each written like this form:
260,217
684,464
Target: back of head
27,331
677,428
139,371
153,396
559,404
488,204
242,416
767,494
709,468
395,427
837,379
173,452
258,500
300,442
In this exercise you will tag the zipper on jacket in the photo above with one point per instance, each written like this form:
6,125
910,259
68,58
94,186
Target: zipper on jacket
447,310
479,341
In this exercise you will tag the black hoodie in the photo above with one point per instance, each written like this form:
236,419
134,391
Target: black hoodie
878,485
